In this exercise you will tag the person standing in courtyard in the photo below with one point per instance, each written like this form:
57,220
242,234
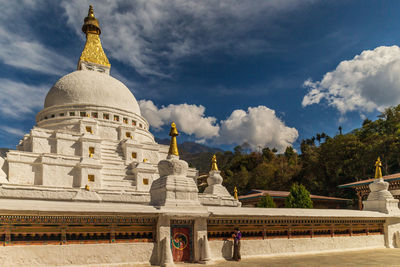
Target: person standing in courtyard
237,235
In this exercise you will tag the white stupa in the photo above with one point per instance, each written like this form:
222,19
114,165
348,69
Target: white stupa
90,142
90,135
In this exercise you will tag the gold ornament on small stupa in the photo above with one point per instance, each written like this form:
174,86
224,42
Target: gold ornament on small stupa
236,193
214,166
173,146
378,168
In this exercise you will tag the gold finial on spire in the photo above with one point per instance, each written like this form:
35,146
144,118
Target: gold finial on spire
91,24
236,193
214,166
93,51
378,168
173,146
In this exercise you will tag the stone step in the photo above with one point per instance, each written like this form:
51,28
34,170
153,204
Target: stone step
116,182
110,146
111,150
107,147
111,153
117,177
112,162
122,172
113,167
119,188
112,157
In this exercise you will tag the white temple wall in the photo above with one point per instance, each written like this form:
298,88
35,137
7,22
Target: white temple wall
224,249
108,132
67,147
77,254
41,145
23,167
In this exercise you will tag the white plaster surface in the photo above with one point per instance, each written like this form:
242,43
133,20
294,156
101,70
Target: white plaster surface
228,211
41,206
76,254
224,249
91,87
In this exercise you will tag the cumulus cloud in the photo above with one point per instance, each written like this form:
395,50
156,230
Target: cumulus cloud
370,81
258,126
190,119
18,98
153,36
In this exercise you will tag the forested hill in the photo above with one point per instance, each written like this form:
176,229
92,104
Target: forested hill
324,162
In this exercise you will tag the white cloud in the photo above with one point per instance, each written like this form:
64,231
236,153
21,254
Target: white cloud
370,81
19,46
18,98
11,130
153,36
190,119
257,126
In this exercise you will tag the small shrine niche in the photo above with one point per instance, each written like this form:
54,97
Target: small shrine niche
91,177
91,152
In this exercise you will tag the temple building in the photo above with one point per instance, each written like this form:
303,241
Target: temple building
88,185
252,198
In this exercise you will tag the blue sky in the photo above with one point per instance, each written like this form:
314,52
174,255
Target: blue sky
269,73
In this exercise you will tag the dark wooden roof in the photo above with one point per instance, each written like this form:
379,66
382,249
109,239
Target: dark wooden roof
387,178
255,193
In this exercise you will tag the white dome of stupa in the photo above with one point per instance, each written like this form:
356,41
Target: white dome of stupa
85,87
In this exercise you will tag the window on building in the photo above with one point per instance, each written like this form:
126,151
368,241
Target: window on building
52,115
133,122
145,181
45,117
90,177
140,125
72,113
89,129
83,114
134,155
116,118
106,116
95,115
91,152
125,120
128,135
61,114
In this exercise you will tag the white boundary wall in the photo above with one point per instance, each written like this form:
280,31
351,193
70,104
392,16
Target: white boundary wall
223,249
119,254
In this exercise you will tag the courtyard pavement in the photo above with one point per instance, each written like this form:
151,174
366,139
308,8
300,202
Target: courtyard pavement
376,257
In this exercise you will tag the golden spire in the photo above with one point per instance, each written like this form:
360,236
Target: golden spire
236,193
378,168
93,51
214,166
173,146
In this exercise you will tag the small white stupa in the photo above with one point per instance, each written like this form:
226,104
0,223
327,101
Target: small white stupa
380,199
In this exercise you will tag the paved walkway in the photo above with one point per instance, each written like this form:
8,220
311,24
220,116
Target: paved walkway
377,257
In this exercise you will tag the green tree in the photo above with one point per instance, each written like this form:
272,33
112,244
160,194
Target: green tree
266,202
299,197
